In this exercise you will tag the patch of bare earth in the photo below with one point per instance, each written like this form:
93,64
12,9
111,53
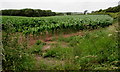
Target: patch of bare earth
49,41
73,34
46,47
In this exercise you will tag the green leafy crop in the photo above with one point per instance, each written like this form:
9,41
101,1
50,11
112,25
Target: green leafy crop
35,25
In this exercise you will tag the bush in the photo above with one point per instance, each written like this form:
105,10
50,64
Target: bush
14,54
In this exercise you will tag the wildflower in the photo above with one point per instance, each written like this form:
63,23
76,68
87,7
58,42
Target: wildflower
109,34
76,57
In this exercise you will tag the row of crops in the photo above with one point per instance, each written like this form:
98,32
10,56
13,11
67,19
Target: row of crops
35,25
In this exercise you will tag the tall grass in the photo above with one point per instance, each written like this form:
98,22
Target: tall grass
14,54
96,50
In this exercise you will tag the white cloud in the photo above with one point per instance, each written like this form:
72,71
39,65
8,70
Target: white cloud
59,0
59,5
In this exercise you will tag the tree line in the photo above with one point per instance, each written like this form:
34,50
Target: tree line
28,12
110,9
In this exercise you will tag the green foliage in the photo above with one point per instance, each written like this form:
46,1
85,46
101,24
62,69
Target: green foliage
96,50
28,12
14,54
113,9
109,10
59,52
35,49
57,23
50,53
113,15
38,42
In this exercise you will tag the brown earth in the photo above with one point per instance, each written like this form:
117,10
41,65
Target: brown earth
48,39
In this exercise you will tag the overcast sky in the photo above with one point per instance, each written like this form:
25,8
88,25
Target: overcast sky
59,5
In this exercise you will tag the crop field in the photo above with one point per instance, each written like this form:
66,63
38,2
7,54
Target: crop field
78,42
36,25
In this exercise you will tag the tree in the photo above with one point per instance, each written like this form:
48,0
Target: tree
28,12
100,10
68,13
85,12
